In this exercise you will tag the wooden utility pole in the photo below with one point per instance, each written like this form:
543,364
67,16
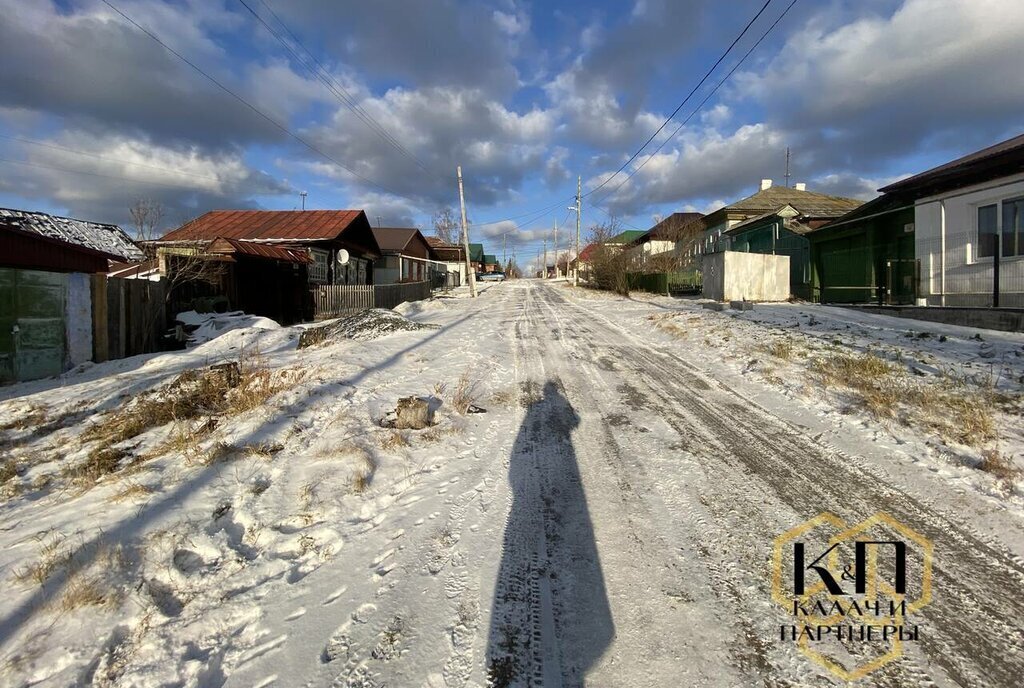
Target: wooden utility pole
470,275
579,189
554,226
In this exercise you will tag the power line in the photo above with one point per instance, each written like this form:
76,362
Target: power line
688,96
701,104
252,107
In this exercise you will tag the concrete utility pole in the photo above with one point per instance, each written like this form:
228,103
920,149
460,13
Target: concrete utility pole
545,273
503,260
554,227
470,275
579,190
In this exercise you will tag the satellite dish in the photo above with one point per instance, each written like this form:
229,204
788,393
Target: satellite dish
342,257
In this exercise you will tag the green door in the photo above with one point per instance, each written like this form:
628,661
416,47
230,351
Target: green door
31,324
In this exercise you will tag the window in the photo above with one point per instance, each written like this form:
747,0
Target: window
318,269
987,229
1013,227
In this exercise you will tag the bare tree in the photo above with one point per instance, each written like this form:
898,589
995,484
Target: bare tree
447,226
147,215
608,262
512,270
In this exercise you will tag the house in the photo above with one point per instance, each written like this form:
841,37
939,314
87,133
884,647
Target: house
407,256
52,302
866,255
476,257
783,231
583,263
454,258
490,263
968,227
264,261
653,249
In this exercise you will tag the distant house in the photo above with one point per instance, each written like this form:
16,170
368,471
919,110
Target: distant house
454,258
968,227
655,247
783,231
476,257
490,263
270,258
407,256
48,283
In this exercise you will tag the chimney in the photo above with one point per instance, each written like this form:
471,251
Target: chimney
766,184
800,186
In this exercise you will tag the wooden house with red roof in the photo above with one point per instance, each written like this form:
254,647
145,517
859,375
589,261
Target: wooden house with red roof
269,259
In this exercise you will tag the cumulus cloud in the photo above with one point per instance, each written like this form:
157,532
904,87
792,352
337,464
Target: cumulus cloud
100,176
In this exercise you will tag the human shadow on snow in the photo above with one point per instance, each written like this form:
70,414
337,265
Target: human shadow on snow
550,617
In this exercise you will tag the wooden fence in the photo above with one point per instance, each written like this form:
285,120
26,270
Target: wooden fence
336,300
128,316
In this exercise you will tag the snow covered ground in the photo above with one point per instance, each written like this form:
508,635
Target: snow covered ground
607,521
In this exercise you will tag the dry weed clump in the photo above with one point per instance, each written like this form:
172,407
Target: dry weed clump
54,554
465,393
1001,467
781,349
391,441
85,590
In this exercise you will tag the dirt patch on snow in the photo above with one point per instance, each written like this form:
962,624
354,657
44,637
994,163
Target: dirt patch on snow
369,324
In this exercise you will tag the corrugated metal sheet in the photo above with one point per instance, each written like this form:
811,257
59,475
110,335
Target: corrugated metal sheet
249,248
266,225
105,238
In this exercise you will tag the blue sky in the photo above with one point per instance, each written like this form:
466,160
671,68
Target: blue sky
94,114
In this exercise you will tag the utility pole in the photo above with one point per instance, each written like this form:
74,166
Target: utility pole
787,167
544,274
579,190
503,256
554,226
303,194
470,275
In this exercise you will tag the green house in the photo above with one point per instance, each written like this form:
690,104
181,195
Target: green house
866,256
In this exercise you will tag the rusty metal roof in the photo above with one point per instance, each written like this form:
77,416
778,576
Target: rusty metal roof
251,248
266,225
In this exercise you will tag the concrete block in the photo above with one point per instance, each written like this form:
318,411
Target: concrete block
741,305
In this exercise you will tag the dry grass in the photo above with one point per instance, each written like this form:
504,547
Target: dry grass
54,554
8,470
131,492
392,441
264,450
465,393
505,397
781,349
363,474
957,412
85,590
100,462
1001,467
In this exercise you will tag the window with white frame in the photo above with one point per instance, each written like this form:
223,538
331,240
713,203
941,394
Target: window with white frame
1001,227
318,269
1013,227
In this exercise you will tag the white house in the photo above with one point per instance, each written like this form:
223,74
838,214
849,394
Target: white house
969,228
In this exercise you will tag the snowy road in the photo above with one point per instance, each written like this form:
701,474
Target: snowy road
617,531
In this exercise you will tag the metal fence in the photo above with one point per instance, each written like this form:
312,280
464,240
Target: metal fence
336,300
966,268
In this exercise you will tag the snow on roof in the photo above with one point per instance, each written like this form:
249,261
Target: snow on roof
98,236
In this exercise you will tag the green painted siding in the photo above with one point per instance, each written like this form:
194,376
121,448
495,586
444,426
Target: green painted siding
866,261
32,312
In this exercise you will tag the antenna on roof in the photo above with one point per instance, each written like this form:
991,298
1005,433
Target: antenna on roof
303,194
787,167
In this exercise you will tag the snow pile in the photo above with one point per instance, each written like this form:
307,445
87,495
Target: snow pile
218,324
369,324
413,308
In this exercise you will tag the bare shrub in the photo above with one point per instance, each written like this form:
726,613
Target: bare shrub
464,394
